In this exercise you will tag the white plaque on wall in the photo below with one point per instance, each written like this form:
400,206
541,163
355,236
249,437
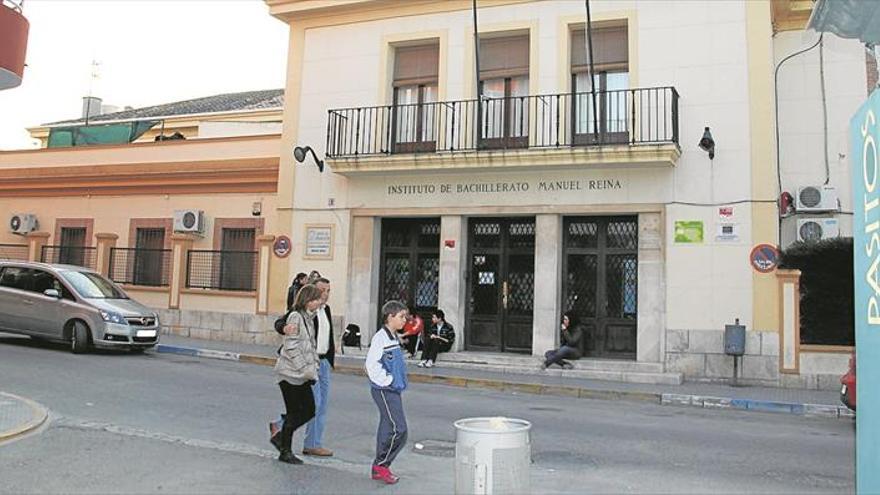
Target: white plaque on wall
319,242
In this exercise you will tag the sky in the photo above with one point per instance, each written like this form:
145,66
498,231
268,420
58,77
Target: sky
149,52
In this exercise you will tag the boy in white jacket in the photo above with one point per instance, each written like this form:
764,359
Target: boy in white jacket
386,369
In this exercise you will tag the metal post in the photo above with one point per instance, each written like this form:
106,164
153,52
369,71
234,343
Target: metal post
589,36
477,74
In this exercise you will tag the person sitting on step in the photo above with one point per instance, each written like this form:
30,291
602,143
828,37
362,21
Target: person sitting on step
572,333
439,338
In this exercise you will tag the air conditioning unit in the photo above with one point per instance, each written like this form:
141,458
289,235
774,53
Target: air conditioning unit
189,221
813,199
817,229
22,223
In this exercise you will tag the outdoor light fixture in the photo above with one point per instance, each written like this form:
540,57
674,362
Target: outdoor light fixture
707,144
299,154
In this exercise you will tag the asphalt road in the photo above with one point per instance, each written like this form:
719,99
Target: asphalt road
159,423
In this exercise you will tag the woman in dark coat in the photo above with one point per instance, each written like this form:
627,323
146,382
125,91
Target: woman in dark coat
572,333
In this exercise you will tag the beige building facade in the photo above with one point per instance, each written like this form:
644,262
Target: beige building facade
125,210
507,210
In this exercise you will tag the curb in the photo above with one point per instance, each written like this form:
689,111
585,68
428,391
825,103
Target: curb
666,399
708,402
38,417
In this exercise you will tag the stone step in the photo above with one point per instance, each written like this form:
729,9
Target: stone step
592,369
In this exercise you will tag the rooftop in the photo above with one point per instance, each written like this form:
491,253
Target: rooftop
228,102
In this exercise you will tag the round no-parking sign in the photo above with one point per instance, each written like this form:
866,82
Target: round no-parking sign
764,258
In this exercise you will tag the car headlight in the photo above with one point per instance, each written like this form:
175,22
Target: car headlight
112,317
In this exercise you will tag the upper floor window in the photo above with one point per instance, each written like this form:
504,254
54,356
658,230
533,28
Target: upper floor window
415,95
504,85
611,66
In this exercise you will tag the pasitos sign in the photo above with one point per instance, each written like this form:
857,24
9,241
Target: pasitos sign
864,135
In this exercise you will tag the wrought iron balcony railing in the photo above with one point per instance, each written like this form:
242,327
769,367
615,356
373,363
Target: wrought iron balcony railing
623,117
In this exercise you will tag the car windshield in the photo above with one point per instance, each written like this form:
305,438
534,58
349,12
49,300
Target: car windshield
93,286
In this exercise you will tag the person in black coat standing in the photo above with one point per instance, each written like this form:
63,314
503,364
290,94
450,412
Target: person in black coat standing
298,281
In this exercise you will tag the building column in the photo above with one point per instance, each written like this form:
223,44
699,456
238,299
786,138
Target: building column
36,241
180,246
548,293
363,276
105,242
651,302
789,320
451,291
264,261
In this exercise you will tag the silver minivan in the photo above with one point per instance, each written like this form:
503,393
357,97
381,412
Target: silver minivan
75,305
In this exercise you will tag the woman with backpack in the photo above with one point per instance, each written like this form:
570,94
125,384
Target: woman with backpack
297,369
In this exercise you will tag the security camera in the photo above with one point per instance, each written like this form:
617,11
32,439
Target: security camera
707,144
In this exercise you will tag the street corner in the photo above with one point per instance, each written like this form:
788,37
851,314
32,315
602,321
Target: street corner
19,416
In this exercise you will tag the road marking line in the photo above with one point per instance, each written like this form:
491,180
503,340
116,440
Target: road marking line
229,447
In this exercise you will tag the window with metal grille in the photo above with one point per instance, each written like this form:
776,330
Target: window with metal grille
238,270
151,259
73,240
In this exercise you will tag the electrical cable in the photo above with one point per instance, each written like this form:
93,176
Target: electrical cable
824,107
776,114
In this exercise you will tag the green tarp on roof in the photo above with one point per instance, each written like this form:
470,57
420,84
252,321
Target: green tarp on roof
125,132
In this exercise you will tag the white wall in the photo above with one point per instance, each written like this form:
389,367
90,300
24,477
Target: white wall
801,135
213,129
697,47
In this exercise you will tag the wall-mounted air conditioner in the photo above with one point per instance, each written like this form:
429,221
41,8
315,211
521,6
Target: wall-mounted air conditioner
22,223
814,199
189,221
817,229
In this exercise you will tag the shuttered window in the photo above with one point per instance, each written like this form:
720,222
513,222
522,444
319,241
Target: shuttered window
415,65
610,50
503,57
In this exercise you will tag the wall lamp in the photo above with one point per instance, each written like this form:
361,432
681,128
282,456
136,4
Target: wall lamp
707,144
299,154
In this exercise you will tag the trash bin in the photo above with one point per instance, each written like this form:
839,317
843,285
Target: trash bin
492,456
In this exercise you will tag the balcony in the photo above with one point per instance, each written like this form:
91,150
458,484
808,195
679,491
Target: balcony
629,126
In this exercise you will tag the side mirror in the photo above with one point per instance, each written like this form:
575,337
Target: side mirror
52,293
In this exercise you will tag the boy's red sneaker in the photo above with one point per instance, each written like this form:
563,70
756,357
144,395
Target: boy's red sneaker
382,473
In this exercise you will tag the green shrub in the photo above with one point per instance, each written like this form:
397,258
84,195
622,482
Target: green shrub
826,289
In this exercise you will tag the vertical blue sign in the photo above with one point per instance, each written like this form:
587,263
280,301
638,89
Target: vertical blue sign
865,137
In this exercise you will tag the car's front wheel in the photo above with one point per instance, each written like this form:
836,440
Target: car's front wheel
81,338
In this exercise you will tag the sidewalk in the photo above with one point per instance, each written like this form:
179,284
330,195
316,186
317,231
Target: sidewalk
823,403
19,416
